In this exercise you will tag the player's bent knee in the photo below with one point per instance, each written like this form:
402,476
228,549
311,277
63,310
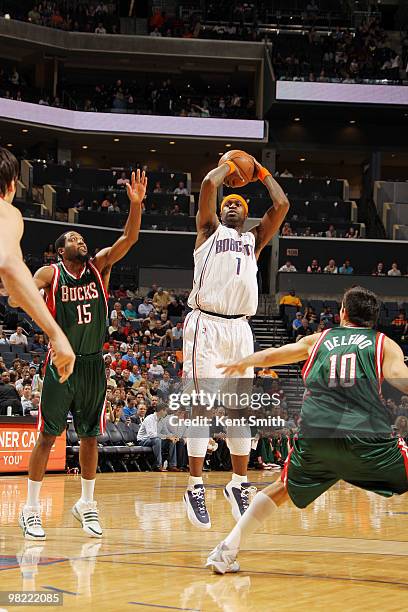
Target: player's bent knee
46,440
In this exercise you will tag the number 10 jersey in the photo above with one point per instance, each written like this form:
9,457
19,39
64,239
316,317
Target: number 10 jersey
343,377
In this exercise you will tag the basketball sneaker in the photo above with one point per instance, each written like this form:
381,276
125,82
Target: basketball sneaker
87,514
223,560
194,500
239,496
30,522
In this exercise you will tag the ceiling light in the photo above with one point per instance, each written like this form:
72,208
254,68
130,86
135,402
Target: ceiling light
24,131
302,159
152,150
116,139
221,153
352,121
297,119
228,145
84,146
172,142
9,144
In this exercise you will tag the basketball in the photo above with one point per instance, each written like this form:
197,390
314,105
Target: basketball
246,166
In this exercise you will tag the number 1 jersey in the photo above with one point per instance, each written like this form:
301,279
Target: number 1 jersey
80,307
225,270
343,378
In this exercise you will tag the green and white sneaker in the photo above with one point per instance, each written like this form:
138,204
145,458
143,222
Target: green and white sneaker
87,514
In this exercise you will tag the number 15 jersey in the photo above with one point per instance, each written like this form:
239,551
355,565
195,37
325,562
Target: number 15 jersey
80,307
225,271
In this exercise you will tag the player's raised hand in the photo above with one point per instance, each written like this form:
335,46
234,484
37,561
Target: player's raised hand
63,356
136,189
232,369
258,167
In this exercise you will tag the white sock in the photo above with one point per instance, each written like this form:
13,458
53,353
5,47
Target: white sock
33,493
88,487
238,479
261,507
193,480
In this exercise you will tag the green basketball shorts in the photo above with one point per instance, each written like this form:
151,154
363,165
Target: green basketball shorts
83,394
316,464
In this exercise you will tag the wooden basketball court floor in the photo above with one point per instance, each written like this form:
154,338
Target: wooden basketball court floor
348,551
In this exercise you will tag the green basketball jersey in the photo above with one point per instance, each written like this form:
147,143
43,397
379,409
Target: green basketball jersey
80,307
343,384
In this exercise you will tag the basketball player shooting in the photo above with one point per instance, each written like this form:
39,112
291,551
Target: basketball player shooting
77,297
15,276
345,431
224,295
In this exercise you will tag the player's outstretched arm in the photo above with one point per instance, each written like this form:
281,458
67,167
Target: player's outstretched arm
22,290
393,367
289,353
136,191
206,218
274,216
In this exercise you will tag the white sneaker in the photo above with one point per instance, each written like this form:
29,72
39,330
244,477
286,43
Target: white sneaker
239,496
30,522
194,500
87,514
222,560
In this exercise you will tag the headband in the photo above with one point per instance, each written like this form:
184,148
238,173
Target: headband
235,196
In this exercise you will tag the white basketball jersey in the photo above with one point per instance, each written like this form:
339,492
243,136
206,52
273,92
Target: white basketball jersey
225,271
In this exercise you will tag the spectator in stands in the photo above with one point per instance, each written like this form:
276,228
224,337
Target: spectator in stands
287,267
402,409
181,189
149,435
50,255
100,29
117,312
379,270
291,299
401,427
152,291
161,299
114,206
156,369
39,344
19,338
346,268
130,312
175,307
177,331
145,308
34,16
130,358
121,293
286,173
394,271
399,325
352,233
9,396
331,232
331,267
314,267
122,180
104,205
326,316
129,409
26,397
304,330
287,229
3,338
297,323
141,410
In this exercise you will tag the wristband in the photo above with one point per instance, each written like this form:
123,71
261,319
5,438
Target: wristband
263,173
232,167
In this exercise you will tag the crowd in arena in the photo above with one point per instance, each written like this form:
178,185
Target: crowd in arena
345,268
342,56
159,97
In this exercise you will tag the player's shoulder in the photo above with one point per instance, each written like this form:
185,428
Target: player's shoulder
46,273
10,213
